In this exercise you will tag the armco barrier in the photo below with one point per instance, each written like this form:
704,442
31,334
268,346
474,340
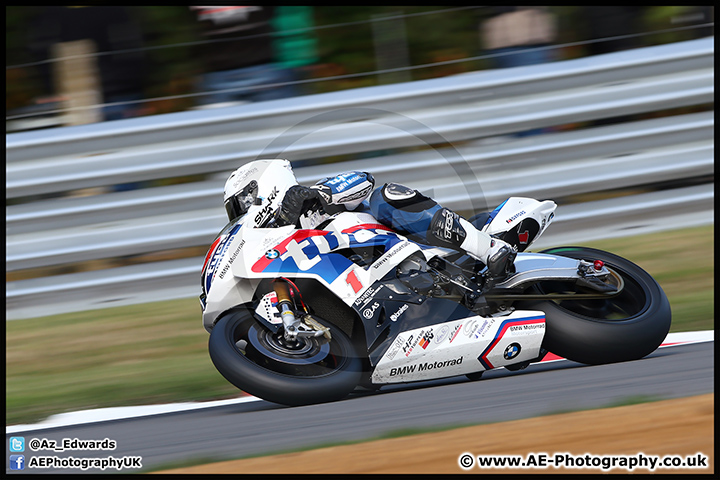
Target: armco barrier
478,112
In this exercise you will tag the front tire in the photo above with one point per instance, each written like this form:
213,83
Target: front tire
625,327
253,359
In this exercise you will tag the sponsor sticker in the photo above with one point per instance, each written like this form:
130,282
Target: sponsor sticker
516,216
366,297
455,332
470,327
242,177
425,338
231,259
484,328
395,348
512,351
526,329
265,213
370,311
388,255
409,345
422,367
394,317
442,334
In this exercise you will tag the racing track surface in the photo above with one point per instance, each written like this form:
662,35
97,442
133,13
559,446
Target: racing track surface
259,427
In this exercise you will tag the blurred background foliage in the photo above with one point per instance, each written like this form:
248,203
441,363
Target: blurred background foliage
345,45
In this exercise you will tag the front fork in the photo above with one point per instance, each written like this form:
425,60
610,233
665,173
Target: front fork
284,305
295,327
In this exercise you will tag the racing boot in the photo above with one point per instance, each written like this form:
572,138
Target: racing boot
447,228
497,254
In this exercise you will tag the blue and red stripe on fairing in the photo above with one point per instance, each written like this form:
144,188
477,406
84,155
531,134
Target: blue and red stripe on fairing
215,254
331,264
504,326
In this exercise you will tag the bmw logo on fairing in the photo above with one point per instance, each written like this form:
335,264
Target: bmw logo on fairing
272,254
512,351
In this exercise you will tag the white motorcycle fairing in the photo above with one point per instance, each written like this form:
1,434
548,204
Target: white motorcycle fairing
436,337
251,254
380,309
462,346
519,221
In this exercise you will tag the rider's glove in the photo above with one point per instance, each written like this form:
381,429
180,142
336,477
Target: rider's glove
295,202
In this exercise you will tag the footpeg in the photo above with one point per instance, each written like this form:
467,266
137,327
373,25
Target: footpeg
500,263
478,305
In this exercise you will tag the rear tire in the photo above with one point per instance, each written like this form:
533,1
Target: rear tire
628,326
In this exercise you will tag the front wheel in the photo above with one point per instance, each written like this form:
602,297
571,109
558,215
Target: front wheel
310,370
626,326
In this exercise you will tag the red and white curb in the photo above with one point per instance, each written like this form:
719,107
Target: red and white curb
119,413
673,339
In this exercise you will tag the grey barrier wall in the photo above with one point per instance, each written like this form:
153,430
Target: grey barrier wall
418,133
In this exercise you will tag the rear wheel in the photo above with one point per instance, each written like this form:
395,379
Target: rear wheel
626,326
264,364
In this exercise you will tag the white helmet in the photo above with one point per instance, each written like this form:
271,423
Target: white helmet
258,187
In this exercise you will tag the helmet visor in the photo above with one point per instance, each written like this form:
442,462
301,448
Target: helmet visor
238,205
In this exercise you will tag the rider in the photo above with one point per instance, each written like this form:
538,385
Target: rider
403,209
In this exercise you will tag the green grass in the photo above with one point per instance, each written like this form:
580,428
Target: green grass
683,263
156,353
139,354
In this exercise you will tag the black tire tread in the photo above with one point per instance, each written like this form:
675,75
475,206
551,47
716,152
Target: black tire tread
272,386
594,341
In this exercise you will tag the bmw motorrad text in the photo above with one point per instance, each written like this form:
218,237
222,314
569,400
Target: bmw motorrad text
639,461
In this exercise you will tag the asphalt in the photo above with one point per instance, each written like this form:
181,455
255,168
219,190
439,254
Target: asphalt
260,427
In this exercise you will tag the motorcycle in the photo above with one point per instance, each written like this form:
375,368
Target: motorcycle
301,316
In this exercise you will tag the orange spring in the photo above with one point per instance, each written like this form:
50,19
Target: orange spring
282,291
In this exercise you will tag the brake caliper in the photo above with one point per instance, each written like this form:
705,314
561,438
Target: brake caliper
293,326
